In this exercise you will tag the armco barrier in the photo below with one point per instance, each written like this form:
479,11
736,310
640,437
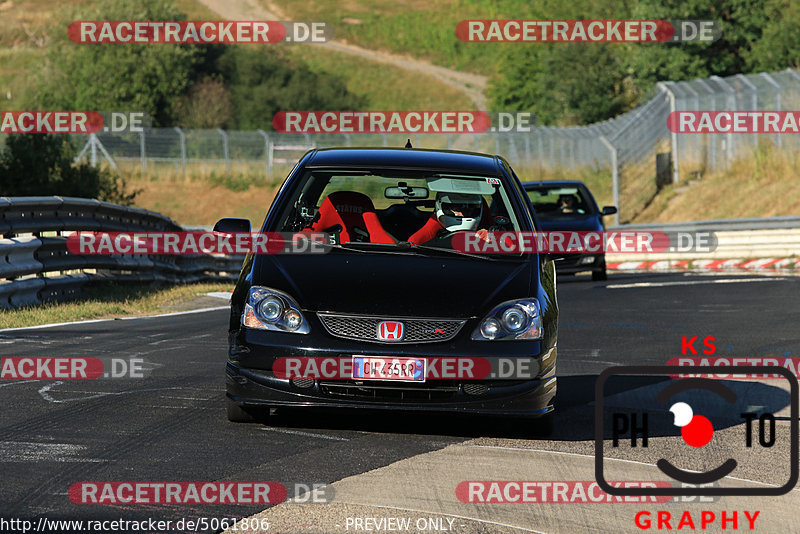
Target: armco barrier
775,237
36,267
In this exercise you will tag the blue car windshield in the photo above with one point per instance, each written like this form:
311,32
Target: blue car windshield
559,203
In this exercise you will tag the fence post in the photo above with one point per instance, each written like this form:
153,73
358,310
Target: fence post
267,163
225,149
712,138
142,152
729,135
614,176
673,136
528,150
183,149
777,87
754,89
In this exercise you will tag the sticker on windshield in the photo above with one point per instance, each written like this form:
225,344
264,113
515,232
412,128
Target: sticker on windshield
493,181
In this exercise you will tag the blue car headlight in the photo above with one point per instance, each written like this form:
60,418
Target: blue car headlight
268,309
513,319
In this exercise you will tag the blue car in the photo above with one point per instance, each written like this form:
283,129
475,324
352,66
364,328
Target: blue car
568,205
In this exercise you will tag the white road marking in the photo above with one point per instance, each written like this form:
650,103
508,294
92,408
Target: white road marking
28,451
308,434
44,391
173,314
12,382
692,282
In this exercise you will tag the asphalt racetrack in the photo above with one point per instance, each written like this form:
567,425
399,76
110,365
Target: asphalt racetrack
170,424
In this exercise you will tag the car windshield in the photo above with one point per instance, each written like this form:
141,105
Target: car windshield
397,207
562,202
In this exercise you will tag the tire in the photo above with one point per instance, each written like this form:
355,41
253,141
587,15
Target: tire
237,414
546,424
540,427
600,276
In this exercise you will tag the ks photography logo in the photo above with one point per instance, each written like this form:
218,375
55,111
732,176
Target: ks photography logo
683,401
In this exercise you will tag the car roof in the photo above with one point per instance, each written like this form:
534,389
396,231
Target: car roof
406,158
548,183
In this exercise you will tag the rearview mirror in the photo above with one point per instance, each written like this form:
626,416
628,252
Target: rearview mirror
403,191
232,226
609,210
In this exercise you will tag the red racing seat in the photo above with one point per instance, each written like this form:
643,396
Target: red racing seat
351,210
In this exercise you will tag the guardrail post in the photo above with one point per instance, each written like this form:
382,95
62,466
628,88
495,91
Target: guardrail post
614,176
183,150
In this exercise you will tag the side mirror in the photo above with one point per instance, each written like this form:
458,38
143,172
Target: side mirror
232,226
609,210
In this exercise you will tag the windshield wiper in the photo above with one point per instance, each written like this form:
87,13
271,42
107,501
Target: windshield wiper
404,247
366,247
442,251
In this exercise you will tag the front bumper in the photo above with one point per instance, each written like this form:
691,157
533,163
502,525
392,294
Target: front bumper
577,263
251,382
258,389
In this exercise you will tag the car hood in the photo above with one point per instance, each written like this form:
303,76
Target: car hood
584,223
395,284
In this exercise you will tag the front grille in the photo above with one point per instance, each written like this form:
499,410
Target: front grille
366,328
389,392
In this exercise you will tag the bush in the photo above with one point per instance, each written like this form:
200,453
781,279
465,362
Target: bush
42,165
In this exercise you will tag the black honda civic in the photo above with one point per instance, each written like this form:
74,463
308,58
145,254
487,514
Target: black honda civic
371,320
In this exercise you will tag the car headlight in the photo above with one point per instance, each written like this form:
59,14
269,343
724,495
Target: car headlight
514,319
268,309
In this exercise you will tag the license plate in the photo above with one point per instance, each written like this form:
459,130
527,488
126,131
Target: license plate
387,368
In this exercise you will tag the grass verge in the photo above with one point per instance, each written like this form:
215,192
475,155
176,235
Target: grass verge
112,300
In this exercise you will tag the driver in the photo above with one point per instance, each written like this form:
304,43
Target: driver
453,212
458,211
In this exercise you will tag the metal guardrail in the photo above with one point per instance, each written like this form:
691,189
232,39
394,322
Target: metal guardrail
37,267
717,225
774,237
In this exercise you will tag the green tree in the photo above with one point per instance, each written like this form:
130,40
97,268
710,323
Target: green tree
779,46
265,82
35,164
108,77
565,83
